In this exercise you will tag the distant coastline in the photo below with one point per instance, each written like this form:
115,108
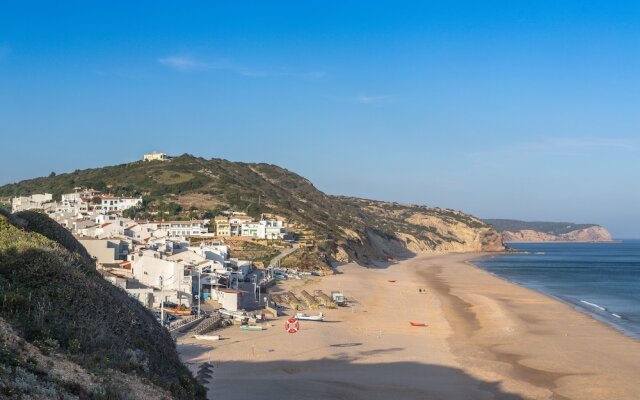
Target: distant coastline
515,231
564,241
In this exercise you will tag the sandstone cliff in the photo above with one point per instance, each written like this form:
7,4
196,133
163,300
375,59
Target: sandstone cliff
522,231
593,234
396,230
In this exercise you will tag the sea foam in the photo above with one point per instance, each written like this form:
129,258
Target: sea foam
593,305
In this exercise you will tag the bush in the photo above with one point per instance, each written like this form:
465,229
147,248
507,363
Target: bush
56,299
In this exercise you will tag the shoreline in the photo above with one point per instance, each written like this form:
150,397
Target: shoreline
533,322
486,338
575,306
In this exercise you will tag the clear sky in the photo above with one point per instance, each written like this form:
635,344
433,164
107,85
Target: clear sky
510,109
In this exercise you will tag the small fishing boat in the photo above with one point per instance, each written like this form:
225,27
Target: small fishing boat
237,315
207,337
417,324
252,328
305,317
177,311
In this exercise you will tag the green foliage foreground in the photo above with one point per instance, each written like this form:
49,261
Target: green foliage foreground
55,299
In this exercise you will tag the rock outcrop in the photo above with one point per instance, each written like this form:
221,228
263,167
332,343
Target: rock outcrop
397,230
593,234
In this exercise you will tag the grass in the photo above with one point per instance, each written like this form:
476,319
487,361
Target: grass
172,177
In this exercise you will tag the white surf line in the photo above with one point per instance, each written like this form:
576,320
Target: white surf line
594,305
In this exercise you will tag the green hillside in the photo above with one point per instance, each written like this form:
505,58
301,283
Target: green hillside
189,186
552,228
56,310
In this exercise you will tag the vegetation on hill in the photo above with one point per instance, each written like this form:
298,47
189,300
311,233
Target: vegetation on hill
551,228
335,226
251,251
54,307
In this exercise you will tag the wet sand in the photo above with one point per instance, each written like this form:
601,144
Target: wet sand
486,339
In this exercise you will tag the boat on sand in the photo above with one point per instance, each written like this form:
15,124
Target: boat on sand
305,317
252,328
207,337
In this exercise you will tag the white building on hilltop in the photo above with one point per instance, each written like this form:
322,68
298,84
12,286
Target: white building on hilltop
155,157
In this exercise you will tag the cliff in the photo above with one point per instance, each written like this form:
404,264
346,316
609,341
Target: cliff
394,229
522,231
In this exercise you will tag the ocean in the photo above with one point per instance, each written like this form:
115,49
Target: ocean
601,279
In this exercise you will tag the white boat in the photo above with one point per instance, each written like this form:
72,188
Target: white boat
305,317
252,328
207,337
239,315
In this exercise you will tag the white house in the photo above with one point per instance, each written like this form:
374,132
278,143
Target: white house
273,229
171,276
30,202
83,227
106,251
244,267
253,229
69,207
235,223
115,204
229,299
218,253
140,231
240,219
86,194
182,228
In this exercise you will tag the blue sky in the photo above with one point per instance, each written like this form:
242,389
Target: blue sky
511,109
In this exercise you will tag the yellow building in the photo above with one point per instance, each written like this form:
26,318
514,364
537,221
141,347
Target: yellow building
223,227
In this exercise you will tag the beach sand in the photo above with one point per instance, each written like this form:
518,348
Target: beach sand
486,339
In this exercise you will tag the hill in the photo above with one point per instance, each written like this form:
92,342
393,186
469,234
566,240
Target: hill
340,228
67,333
523,231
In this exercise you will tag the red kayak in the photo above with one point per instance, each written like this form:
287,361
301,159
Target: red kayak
417,324
392,281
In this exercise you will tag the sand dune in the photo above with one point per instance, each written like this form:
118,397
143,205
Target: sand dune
486,339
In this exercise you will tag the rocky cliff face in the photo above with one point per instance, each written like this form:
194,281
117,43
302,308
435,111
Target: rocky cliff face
592,234
396,230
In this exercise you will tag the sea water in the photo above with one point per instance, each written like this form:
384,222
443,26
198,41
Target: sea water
601,279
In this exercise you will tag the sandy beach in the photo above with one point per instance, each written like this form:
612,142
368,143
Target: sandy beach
485,338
